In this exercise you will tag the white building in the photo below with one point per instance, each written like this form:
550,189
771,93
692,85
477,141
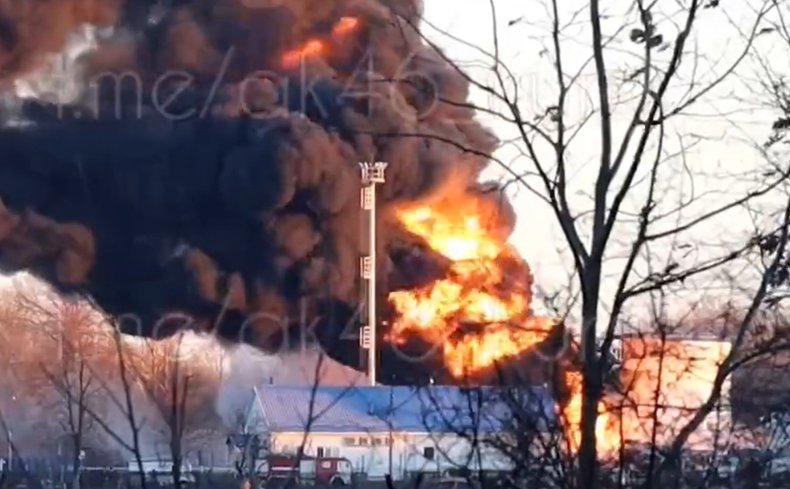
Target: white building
667,380
395,430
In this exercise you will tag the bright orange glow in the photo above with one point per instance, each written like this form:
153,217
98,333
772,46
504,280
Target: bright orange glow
316,47
607,429
666,382
312,49
571,412
474,292
457,237
485,350
345,26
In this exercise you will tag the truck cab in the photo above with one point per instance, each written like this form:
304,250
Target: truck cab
333,471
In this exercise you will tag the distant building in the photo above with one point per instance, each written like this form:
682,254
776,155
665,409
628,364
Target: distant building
682,371
395,430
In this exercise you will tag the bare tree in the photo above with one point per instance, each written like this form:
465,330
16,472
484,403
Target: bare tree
128,435
511,438
181,390
77,332
633,216
87,379
166,382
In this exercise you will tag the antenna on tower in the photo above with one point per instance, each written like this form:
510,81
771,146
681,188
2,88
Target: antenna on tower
372,175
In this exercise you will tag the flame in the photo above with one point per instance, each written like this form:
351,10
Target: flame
466,240
476,291
345,26
667,381
312,48
607,428
485,350
318,47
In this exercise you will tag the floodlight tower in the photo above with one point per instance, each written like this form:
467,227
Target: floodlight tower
372,175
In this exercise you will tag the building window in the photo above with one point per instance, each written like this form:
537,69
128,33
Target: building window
429,453
327,452
363,441
349,441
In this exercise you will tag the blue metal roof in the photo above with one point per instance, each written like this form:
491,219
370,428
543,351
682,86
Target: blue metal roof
433,409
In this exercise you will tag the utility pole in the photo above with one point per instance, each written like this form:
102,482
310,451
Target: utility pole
372,175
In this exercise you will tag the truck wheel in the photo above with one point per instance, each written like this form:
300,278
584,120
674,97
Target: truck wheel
337,482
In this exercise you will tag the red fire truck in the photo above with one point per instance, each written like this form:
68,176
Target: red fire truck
327,471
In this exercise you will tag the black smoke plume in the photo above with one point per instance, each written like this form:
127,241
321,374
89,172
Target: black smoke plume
197,175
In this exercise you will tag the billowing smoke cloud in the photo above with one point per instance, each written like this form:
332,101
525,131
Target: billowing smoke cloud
199,172
30,31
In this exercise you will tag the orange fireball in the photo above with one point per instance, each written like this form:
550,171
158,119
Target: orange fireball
313,48
471,293
345,26
318,48
607,428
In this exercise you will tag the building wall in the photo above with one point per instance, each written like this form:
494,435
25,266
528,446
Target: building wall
370,452
682,372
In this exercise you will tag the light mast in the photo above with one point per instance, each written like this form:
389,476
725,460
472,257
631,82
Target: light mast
372,175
